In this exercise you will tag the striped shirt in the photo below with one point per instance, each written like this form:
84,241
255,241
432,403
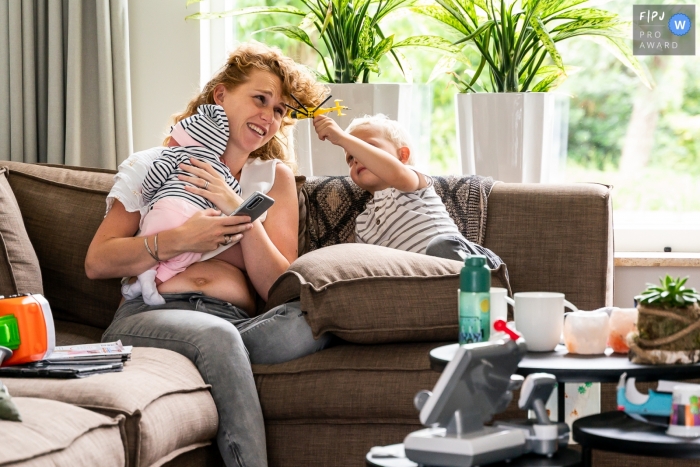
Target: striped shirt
205,136
404,220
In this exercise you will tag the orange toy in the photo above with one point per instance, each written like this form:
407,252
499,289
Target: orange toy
26,328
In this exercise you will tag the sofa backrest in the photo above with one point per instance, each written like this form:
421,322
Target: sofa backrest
555,238
552,237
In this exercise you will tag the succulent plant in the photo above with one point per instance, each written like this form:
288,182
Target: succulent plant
672,293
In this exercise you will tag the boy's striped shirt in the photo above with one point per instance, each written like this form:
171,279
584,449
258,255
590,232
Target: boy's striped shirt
404,220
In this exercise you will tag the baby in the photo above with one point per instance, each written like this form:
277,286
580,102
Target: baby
203,136
405,212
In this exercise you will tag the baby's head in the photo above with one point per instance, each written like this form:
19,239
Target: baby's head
384,133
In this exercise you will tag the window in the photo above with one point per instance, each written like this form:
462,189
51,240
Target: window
645,143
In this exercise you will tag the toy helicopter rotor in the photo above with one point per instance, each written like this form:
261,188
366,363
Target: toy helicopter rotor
302,112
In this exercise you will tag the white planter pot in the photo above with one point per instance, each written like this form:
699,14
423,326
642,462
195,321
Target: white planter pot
513,137
403,102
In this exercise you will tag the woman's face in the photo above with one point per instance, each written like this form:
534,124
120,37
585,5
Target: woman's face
254,109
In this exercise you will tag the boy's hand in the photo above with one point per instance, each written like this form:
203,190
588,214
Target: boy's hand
327,129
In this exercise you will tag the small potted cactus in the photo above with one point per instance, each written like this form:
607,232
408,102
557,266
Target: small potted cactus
668,324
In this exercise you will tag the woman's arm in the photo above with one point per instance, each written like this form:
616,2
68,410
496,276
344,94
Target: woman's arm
115,252
269,248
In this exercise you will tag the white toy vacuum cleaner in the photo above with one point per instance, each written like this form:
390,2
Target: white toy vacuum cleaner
475,385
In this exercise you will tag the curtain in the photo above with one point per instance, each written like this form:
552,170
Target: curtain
65,96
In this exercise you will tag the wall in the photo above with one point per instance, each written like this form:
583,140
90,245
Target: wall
630,281
165,64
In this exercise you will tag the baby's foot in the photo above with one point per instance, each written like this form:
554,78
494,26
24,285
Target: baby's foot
149,290
131,291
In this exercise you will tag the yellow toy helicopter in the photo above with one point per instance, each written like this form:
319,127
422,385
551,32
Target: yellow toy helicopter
303,112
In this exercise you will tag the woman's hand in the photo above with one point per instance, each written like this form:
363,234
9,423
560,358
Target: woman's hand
208,183
207,229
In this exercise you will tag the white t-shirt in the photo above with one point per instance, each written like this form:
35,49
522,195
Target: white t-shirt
256,175
404,220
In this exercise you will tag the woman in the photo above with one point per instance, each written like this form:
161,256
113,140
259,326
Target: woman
203,317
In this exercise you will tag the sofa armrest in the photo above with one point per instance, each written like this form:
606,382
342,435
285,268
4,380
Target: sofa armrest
555,238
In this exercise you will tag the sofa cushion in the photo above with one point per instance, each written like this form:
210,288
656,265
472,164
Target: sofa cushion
371,294
68,333
62,208
58,434
166,403
19,266
363,383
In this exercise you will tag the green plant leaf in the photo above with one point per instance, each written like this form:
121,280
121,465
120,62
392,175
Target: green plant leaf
327,19
403,65
584,14
547,41
247,11
548,8
293,32
384,46
550,77
434,42
444,65
440,14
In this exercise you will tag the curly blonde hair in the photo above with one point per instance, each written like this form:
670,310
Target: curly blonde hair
296,80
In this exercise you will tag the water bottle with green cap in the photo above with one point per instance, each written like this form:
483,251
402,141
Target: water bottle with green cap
474,300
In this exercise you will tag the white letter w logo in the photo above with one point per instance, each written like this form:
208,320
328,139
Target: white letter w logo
680,25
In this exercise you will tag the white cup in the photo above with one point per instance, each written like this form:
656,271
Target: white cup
539,317
685,411
499,307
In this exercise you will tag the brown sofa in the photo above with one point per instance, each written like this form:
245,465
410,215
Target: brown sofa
326,409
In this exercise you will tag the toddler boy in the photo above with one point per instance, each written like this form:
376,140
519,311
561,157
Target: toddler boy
405,212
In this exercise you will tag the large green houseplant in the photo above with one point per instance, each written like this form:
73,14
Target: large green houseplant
350,42
514,39
346,35
509,126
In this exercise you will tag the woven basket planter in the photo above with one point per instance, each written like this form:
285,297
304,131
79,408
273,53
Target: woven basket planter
666,335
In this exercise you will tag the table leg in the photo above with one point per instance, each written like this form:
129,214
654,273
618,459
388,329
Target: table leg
561,402
586,456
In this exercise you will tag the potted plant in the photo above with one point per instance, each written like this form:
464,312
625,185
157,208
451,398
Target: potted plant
509,126
668,324
350,43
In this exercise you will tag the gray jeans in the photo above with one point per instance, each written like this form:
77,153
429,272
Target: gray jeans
222,341
450,246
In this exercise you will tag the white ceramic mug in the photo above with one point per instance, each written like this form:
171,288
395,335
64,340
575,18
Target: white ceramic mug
499,306
539,317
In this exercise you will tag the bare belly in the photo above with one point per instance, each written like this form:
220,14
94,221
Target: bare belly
216,279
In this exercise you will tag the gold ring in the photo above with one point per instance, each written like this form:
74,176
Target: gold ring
206,184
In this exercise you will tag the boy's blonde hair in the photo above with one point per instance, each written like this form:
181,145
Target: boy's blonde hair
388,128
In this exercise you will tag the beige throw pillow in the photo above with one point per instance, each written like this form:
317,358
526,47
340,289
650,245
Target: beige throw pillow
19,266
371,294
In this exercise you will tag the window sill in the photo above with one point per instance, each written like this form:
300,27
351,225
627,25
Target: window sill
656,259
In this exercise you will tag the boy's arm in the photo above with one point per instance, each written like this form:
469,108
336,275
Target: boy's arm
382,164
